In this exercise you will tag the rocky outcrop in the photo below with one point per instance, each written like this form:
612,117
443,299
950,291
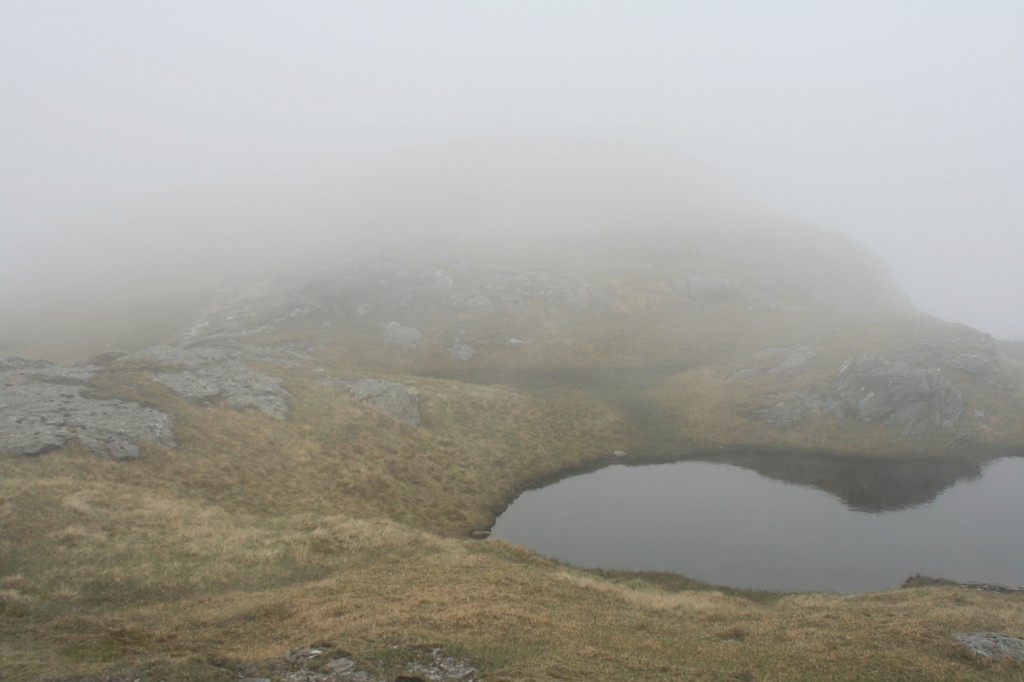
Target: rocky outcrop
991,644
793,406
43,409
398,400
917,386
384,292
205,375
873,389
892,392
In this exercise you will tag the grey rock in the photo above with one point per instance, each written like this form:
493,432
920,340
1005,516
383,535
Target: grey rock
517,342
969,362
992,644
511,286
992,587
875,389
462,352
705,287
744,373
43,409
406,337
398,400
479,304
916,400
796,357
795,405
340,665
205,374
178,357
442,668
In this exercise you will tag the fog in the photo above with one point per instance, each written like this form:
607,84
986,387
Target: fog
144,142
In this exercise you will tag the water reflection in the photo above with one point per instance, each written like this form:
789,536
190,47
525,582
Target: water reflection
733,526
869,486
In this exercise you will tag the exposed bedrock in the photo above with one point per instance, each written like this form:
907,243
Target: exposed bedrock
43,409
205,375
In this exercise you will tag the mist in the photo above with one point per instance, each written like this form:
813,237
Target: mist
146,145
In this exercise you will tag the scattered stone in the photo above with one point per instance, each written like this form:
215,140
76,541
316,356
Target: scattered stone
462,352
744,373
619,453
517,342
480,534
992,644
969,362
796,357
704,287
428,664
398,400
479,304
441,668
340,665
400,335
992,587
43,409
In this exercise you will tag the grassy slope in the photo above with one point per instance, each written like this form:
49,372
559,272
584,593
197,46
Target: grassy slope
257,535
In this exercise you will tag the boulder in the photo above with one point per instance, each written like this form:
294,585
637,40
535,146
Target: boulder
398,400
992,644
400,335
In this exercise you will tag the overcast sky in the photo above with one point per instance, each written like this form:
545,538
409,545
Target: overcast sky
900,124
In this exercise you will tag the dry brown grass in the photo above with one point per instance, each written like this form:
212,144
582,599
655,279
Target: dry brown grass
339,523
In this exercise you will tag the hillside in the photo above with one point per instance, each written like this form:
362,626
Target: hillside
298,460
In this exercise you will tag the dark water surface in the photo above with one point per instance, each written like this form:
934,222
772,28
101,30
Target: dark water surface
843,526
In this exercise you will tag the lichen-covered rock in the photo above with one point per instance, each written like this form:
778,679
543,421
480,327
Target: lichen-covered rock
43,409
992,644
398,400
206,374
